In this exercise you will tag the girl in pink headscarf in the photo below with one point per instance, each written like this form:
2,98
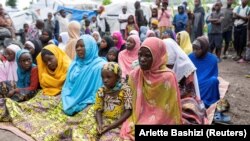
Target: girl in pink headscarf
8,69
150,33
129,55
118,40
156,97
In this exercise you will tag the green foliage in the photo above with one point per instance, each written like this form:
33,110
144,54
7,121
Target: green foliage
106,2
235,3
11,3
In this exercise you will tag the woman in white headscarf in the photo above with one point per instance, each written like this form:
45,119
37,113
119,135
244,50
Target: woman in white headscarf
63,39
186,76
97,37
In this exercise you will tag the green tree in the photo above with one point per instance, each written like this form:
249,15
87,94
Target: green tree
106,2
11,3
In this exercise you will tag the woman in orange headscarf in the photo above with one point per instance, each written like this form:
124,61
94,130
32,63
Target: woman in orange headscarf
53,65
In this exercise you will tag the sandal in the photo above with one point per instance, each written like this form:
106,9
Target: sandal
223,106
220,118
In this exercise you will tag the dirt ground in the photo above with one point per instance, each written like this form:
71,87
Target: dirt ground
239,90
238,95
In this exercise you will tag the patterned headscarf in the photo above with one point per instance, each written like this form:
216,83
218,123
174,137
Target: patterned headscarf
113,67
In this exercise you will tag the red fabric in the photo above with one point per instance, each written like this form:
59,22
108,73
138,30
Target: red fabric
34,81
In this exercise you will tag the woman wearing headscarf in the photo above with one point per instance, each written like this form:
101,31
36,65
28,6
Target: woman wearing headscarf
198,22
8,69
150,33
52,65
169,34
156,97
112,55
63,39
74,28
106,43
183,39
129,55
83,78
118,41
207,76
143,31
186,76
34,47
97,37
134,32
43,113
46,37
27,73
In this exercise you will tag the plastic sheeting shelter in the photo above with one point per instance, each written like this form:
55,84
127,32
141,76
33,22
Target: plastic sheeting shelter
78,14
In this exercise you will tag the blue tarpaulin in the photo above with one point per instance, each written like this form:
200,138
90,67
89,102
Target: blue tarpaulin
78,14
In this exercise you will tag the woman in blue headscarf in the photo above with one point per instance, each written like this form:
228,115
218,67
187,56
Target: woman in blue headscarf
207,71
169,34
27,73
84,76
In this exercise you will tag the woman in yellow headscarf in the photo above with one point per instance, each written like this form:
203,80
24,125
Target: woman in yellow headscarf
46,106
183,39
53,65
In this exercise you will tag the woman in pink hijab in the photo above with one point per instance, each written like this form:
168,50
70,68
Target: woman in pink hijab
150,33
118,40
156,97
8,70
129,55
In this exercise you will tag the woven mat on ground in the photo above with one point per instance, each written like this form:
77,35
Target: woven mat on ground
223,88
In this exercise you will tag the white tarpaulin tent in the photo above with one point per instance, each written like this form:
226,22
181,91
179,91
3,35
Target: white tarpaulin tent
115,8
44,6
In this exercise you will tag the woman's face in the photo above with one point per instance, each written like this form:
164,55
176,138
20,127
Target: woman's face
96,37
154,12
80,49
25,61
197,51
145,58
130,44
109,78
115,39
130,19
103,44
50,61
45,37
29,48
111,57
10,55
